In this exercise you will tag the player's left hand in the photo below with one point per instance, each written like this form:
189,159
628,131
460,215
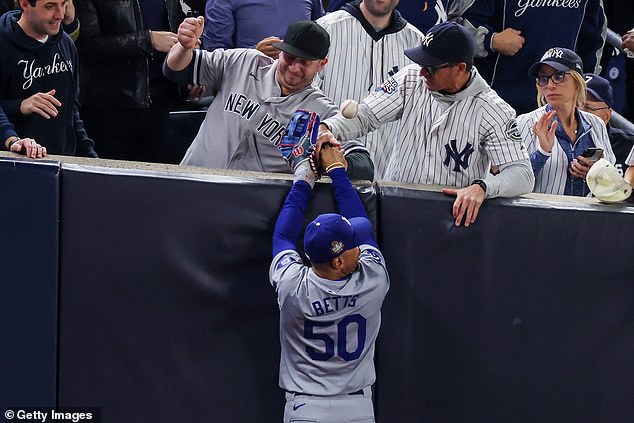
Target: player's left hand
580,166
266,46
69,13
467,204
330,155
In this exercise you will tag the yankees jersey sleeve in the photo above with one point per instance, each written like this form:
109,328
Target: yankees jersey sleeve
328,328
381,106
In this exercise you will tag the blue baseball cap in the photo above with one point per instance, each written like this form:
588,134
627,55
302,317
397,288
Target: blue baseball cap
330,235
599,88
447,42
559,58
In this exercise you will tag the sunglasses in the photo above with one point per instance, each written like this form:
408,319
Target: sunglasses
557,78
588,108
432,69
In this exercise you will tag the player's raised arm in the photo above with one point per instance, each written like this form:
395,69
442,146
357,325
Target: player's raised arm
334,164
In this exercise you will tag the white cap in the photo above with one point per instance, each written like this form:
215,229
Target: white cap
606,183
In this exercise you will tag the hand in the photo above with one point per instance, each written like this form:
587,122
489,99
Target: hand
628,41
324,136
69,13
29,148
467,204
190,31
330,155
266,46
196,92
508,42
44,104
545,135
163,40
580,166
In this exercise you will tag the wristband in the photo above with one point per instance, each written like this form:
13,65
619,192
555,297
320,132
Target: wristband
335,165
13,141
481,184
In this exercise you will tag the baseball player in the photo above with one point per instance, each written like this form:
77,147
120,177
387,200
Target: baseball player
254,98
367,42
452,126
330,312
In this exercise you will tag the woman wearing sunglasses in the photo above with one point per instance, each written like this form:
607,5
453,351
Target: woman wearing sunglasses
558,134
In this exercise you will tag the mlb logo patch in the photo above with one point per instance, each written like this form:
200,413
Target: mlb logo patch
390,86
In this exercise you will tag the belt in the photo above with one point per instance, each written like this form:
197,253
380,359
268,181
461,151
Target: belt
297,394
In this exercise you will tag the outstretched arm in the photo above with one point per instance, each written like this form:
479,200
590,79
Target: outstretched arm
348,200
289,222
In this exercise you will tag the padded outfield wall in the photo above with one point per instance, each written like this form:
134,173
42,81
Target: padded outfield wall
150,299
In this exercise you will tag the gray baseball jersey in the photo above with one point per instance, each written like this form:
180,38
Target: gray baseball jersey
243,125
328,328
553,176
359,62
444,139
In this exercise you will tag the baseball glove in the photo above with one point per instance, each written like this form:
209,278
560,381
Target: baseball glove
299,140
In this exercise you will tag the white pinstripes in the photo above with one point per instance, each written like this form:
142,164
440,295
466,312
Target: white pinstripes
553,176
357,65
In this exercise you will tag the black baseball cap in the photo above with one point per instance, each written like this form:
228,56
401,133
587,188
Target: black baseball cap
599,88
305,39
562,59
447,42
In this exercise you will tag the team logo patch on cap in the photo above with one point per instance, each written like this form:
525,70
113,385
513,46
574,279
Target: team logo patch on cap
336,247
512,132
428,39
553,52
390,86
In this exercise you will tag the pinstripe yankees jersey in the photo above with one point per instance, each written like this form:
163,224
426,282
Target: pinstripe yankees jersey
243,125
444,139
328,328
554,177
360,59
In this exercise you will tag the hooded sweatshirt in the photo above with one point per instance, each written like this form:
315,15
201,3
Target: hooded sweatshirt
29,67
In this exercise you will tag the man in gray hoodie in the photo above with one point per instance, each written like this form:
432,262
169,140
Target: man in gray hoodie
454,129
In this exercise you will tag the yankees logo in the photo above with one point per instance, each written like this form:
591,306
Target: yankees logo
461,159
428,39
553,53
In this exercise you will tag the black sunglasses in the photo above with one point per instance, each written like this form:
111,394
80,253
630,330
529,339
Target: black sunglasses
557,78
588,108
432,69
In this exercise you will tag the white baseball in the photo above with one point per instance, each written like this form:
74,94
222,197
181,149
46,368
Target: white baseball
349,109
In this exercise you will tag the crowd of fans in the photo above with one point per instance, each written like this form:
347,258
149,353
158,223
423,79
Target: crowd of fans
90,78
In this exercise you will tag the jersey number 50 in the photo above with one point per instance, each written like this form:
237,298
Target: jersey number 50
342,337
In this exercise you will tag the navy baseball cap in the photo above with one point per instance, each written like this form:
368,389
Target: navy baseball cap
447,42
330,235
305,39
599,88
562,59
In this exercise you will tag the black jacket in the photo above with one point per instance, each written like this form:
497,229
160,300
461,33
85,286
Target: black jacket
31,67
115,51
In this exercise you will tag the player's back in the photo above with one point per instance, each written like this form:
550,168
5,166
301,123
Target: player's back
328,329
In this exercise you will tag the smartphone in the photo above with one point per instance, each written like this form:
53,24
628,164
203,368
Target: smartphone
592,153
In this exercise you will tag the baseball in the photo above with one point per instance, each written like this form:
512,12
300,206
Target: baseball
349,109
